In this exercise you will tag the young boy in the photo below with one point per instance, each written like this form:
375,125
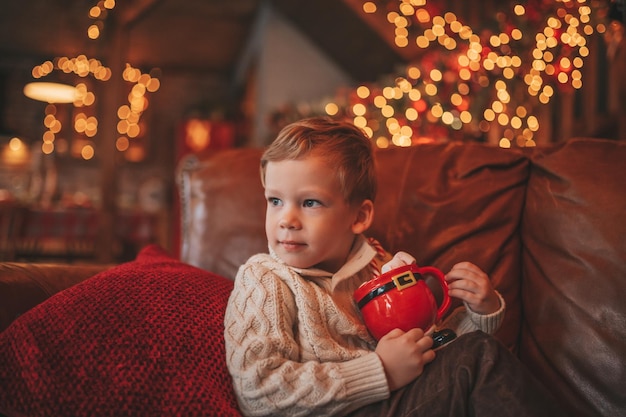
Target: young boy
295,342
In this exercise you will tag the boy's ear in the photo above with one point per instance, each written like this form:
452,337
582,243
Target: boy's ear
364,217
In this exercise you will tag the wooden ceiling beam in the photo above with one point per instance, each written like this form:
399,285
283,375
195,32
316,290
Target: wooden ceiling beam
131,12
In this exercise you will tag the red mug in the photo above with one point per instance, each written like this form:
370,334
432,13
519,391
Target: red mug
401,299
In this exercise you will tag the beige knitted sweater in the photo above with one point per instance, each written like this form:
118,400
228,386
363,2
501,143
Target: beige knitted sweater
296,345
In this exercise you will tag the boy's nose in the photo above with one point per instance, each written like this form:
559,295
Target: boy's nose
289,220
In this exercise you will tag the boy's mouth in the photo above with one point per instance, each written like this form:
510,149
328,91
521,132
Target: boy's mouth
291,245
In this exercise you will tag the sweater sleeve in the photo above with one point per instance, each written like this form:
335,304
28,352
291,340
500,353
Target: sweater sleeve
264,358
464,320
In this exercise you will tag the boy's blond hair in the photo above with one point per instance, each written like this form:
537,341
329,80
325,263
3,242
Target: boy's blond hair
344,146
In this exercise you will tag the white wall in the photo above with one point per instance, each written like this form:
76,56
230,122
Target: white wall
289,69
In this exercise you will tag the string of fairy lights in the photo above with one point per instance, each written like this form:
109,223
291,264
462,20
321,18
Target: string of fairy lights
99,13
85,122
473,82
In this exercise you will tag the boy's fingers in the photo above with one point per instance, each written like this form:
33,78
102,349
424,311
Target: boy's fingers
393,334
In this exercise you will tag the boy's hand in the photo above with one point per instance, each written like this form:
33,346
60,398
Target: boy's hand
404,355
398,260
469,283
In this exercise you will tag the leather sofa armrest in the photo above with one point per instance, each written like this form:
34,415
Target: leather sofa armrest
24,285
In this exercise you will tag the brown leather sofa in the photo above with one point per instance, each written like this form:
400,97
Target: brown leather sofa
547,224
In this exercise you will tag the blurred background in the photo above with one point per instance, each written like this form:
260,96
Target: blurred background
100,100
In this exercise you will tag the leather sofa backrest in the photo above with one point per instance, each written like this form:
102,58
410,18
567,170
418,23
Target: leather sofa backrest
24,285
574,284
222,210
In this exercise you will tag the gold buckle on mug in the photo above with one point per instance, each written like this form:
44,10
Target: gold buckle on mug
404,280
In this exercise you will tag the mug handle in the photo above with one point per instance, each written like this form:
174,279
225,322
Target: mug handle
445,303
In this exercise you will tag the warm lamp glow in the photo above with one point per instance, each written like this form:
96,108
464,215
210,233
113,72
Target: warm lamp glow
197,134
50,92
16,152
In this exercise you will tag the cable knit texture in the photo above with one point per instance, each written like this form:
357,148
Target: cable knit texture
295,342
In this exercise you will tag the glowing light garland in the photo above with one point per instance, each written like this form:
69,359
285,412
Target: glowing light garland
469,83
86,125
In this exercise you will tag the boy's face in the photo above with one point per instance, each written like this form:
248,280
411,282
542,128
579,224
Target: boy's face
308,222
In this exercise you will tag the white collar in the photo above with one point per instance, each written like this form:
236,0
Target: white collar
359,257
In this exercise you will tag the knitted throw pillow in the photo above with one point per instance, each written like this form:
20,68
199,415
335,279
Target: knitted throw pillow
141,339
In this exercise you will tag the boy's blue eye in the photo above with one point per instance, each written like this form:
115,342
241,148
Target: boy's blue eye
311,203
273,201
